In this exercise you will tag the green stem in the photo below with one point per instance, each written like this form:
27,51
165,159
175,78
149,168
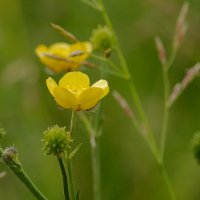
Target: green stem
96,167
164,132
146,129
27,181
95,156
68,161
64,177
72,122
87,124
166,111
171,59
167,182
106,60
150,137
166,84
95,152
117,46
128,76
10,158
70,178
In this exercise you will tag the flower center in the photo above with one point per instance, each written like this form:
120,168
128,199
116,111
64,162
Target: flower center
75,89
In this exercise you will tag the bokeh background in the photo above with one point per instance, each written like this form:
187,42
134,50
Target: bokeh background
128,169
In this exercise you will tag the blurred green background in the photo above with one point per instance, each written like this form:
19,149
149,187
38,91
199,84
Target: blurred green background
129,171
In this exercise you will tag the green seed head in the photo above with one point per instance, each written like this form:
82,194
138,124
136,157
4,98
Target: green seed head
56,141
102,38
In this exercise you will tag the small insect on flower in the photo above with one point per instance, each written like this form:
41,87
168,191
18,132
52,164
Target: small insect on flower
74,91
61,57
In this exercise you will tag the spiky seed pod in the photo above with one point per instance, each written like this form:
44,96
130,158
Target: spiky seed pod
56,141
102,38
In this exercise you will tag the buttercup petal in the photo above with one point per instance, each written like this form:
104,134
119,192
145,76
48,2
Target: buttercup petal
80,51
74,80
90,97
60,49
85,47
55,56
103,84
40,49
64,57
51,85
88,46
65,98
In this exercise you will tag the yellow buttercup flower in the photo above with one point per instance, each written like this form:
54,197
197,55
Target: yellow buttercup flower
74,91
64,57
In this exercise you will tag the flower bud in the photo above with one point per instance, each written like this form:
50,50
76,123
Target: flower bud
181,27
161,51
102,38
10,157
56,141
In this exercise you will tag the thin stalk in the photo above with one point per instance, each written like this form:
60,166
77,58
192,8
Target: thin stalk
166,85
96,168
70,178
95,153
94,136
87,124
125,67
29,184
168,182
171,59
106,60
117,46
10,158
68,161
72,122
64,177
151,139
